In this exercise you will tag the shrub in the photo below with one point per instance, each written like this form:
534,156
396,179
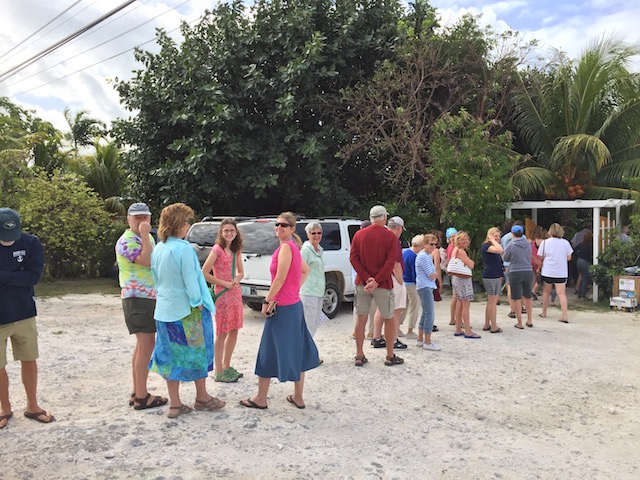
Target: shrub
612,262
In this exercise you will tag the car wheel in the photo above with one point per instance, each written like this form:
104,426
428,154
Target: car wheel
331,300
255,306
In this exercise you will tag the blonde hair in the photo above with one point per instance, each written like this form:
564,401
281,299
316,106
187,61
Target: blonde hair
430,238
490,232
173,218
555,230
290,217
459,237
417,241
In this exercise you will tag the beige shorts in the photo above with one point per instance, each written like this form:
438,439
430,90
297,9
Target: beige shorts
383,297
24,340
399,293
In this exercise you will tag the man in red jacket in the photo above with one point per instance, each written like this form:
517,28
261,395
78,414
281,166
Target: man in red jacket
373,255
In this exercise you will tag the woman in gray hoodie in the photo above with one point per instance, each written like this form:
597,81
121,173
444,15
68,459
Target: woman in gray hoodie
518,253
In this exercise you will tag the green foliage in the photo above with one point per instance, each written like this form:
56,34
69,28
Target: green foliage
612,262
470,167
70,221
234,119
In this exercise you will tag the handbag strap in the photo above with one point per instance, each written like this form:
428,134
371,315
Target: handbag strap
233,270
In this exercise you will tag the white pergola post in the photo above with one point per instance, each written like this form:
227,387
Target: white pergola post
596,246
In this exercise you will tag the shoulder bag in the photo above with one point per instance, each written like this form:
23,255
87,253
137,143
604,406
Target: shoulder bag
458,269
233,272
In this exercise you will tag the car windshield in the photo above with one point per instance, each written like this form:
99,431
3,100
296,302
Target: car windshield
203,233
258,237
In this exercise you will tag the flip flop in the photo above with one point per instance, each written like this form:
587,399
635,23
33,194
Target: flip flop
5,417
37,416
530,325
475,335
291,400
564,321
499,330
486,328
518,327
458,334
542,316
251,404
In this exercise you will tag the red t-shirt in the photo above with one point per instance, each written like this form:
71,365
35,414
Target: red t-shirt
374,252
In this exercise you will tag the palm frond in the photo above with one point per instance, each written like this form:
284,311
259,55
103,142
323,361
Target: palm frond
531,181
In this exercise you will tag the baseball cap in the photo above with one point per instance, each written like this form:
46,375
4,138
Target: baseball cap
450,231
139,208
377,211
9,225
398,221
517,229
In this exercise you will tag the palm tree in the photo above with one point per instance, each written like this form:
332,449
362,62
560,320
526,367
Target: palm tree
83,129
581,126
105,175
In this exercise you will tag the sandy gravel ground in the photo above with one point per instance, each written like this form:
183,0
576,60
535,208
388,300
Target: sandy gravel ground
553,401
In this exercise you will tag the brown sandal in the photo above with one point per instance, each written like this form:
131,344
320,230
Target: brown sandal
395,360
360,361
210,405
144,403
175,412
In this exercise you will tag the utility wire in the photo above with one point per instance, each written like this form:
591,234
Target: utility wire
99,62
38,56
40,29
99,45
46,33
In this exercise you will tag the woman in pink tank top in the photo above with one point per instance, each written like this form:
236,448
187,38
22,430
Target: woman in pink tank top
287,349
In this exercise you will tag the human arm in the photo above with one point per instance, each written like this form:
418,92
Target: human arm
397,272
305,271
190,270
144,257
239,269
30,269
207,269
435,255
462,255
495,247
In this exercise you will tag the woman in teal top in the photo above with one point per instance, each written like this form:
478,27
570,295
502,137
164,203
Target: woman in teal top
184,329
312,290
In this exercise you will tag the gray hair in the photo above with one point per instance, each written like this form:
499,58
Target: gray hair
312,226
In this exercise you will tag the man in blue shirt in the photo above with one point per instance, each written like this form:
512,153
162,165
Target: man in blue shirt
21,264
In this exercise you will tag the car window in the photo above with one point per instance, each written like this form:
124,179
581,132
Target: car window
331,239
352,230
203,233
258,237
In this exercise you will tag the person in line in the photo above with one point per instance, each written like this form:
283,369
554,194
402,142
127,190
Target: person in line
463,287
555,252
372,309
450,235
395,225
584,252
223,269
536,263
504,241
426,275
624,234
518,254
491,252
412,312
138,293
21,264
287,349
312,290
577,239
374,251
436,255
184,328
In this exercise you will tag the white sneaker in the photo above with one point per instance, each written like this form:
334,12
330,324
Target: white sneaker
419,343
431,346
400,334
412,335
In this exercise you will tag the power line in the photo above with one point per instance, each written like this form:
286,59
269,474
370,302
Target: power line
98,45
47,51
99,62
48,32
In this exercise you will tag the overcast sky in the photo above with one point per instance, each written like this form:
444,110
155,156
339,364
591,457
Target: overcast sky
77,75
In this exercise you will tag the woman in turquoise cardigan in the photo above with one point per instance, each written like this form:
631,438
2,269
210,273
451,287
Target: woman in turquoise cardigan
184,328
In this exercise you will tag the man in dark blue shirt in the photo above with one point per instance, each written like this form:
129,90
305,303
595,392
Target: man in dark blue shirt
21,263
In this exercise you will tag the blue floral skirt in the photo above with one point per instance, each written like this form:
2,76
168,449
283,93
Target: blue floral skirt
184,349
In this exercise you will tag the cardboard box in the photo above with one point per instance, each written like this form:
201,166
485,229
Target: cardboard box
623,303
626,286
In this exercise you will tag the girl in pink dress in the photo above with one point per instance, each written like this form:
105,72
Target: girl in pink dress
227,295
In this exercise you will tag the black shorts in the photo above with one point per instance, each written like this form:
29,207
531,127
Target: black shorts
554,279
138,314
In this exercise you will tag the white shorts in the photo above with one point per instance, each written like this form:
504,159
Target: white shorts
399,293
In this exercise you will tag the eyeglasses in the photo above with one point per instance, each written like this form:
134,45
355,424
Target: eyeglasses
315,233
433,244
280,224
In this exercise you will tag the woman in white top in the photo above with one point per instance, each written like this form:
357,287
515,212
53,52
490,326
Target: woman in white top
555,252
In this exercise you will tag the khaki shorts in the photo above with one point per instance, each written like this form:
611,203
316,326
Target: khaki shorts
400,294
138,314
383,297
24,340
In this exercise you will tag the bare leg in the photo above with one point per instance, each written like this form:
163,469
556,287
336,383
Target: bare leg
263,389
173,386
298,387
420,335
361,321
561,289
512,305
390,330
490,313
458,316
229,347
141,356
517,304
464,313
377,326
546,291
5,404
218,351
397,314
30,382
452,310
528,303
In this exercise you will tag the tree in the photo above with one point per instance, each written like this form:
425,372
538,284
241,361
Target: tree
232,119
580,124
83,129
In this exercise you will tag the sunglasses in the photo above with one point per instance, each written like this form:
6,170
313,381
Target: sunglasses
280,224
433,244
315,233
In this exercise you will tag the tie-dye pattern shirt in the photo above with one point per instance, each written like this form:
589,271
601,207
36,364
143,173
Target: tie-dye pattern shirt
136,280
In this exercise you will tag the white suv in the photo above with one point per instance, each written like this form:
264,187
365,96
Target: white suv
260,241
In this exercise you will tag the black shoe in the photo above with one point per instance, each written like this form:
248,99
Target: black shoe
524,310
435,328
378,343
534,296
399,345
